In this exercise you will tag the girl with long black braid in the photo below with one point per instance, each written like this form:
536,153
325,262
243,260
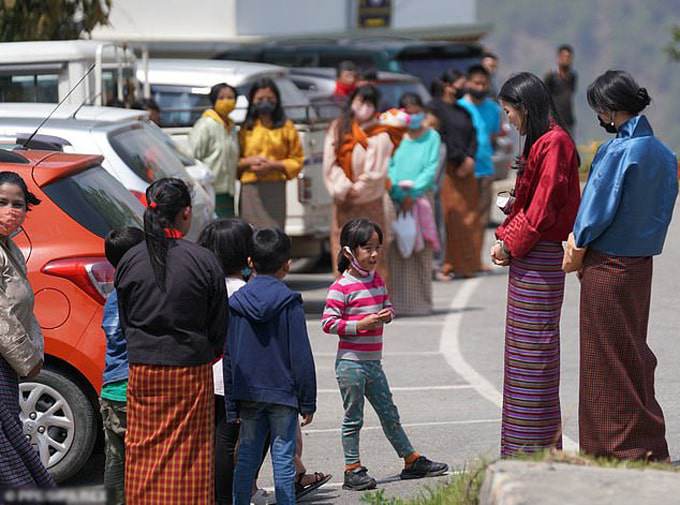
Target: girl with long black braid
173,311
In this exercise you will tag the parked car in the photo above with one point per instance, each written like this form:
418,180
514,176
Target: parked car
62,241
318,84
181,88
424,59
46,71
132,147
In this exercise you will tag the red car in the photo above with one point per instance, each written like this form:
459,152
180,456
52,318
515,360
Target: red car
62,240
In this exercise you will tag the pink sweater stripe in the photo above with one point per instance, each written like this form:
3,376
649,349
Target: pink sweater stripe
350,300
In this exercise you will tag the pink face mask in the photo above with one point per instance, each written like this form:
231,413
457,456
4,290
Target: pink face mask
363,112
10,220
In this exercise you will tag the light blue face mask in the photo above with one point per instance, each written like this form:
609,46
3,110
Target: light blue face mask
246,272
416,121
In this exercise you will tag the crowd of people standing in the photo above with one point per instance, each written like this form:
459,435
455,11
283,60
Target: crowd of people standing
192,399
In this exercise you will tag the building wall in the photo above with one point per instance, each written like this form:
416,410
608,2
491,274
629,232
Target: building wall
290,17
223,20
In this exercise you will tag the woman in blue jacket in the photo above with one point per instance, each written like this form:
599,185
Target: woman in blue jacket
621,224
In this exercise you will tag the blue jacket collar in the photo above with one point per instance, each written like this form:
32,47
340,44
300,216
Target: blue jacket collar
637,126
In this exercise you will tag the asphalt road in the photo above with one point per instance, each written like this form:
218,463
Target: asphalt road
446,375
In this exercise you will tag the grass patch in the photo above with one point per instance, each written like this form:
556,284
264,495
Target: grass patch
463,488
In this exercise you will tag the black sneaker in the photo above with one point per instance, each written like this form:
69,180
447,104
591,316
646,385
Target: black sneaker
423,467
358,480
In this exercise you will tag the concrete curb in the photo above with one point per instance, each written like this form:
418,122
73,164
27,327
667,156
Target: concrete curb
528,483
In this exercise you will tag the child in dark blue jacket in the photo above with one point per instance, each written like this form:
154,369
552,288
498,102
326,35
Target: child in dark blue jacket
269,373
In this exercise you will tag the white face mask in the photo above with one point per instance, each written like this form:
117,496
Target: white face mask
363,112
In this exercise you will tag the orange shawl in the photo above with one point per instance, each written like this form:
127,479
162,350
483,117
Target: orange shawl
359,136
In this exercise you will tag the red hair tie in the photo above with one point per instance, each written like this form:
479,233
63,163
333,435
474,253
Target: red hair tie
153,205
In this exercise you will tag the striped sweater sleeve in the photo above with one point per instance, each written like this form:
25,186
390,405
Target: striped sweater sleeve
332,319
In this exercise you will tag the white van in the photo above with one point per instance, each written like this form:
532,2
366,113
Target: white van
181,89
46,71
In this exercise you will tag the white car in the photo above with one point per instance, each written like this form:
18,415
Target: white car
181,89
136,151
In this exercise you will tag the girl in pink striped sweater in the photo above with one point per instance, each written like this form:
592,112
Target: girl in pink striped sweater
357,307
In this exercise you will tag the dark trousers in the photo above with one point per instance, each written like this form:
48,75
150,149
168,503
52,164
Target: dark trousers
114,420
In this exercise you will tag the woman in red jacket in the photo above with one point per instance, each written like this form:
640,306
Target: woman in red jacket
540,217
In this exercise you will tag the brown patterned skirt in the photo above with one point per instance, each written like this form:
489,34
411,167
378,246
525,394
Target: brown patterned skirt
379,211
169,450
459,202
618,412
263,204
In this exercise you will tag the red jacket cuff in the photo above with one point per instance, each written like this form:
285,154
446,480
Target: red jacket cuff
519,236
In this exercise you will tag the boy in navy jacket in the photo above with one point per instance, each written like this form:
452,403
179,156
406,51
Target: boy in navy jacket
269,373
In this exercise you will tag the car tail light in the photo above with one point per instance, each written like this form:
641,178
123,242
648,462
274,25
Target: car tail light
94,275
304,189
139,196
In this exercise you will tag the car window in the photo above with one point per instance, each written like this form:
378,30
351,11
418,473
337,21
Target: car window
180,105
42,88
391,92
154,130
97,201
147,155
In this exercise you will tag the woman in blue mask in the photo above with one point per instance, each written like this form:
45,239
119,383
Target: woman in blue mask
412,171
271,154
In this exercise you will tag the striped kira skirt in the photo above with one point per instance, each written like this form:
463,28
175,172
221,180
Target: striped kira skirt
531,382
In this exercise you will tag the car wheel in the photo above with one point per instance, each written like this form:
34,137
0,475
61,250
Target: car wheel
59,421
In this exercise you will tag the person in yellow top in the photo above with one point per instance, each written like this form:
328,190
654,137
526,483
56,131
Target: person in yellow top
214,141
271,154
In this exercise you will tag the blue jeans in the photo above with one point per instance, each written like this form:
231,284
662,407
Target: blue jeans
366,379
258,419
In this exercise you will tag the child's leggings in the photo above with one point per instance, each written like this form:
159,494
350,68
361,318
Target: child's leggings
366,379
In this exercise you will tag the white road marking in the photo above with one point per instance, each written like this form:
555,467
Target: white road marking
407,425
409,388
449,346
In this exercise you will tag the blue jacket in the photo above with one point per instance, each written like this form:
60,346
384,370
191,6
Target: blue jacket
116,361
267,355
628,201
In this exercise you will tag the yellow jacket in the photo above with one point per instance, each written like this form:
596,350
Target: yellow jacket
278,144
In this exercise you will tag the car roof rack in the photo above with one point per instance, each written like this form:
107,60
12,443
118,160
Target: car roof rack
11,157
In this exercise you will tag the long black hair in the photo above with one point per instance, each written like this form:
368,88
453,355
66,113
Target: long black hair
356,233
367,93
616,90
231,240
447,78
166,198
278,114
7,177
528,93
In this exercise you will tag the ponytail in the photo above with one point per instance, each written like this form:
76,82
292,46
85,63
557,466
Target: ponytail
165,198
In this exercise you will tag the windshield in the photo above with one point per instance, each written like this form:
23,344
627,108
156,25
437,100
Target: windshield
154,130
146,155
97,201
391,92
182,106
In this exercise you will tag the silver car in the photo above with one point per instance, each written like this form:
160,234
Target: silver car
136,152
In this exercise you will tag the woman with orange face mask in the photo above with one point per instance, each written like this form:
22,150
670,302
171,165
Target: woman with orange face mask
21,341
214,141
